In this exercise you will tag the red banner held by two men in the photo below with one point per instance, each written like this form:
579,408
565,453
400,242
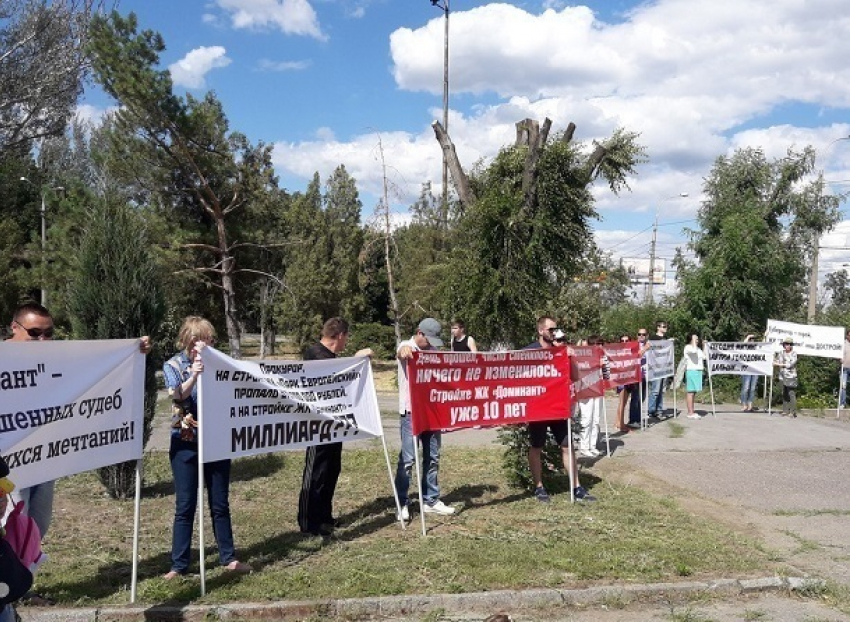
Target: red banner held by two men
468,389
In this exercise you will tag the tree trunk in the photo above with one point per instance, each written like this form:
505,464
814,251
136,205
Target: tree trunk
464,192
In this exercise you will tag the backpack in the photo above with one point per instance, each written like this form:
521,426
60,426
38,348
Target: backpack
15,579
24,537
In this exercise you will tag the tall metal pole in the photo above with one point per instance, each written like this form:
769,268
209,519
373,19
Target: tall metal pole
446,115
43,250
813,286
652,260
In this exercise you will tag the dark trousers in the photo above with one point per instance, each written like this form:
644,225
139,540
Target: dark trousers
184,467
634,391
322,466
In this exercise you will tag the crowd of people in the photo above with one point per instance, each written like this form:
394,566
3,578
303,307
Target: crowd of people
32,322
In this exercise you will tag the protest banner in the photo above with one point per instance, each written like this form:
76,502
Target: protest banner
586,373
739,358
468,389
660,362
624,361
809,340
256,407
70,406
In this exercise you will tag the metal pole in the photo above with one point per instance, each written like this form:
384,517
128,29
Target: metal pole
43,250
446,116
652,260
813,286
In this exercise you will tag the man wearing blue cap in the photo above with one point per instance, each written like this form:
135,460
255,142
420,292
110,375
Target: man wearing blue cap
427,337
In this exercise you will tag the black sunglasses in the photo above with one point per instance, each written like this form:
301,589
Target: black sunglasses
36,333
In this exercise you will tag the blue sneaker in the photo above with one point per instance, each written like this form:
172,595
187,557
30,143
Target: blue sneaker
580,493
541,494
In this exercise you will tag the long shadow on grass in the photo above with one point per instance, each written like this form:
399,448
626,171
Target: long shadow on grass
243,470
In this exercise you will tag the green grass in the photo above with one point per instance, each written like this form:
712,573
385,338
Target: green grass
677,430
500,539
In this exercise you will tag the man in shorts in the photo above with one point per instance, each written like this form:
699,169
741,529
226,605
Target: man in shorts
546,338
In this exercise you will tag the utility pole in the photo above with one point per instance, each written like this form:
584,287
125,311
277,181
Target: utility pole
652,260
445,208
813,286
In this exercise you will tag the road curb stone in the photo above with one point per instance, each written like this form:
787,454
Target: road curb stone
393,606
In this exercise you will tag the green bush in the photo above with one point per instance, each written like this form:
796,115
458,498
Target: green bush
379,337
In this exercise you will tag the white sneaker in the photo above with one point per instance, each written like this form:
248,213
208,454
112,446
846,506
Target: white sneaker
694,416
438,508
586,453
595,452
405,514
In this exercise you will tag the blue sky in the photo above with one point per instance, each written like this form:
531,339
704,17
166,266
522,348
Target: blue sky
325,80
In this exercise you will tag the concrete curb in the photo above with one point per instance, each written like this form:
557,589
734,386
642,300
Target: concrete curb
483,603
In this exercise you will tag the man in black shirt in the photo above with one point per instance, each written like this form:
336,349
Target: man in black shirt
323,462
461,342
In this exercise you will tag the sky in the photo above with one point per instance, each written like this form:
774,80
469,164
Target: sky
332,82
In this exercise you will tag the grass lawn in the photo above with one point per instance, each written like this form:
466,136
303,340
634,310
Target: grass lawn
501,538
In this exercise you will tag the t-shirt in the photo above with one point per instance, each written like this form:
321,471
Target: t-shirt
694,357
317,352
461,345
403,390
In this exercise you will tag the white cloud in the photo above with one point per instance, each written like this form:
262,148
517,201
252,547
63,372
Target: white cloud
282,65
696,78
191,70
92,114
292,17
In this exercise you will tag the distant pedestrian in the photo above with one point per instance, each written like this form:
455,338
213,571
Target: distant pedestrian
786,361
749,382
694,365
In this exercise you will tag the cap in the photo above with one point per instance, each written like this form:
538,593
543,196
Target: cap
431,328
789,340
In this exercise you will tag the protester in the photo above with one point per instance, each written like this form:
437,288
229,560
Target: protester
786,361
590,411
181,379
845,370
547,333
622,396
749,382
694,365
461,342
637,390
323,463
32,322
427,337
655,405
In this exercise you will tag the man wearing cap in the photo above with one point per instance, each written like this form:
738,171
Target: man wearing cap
548,335
786,361
427,337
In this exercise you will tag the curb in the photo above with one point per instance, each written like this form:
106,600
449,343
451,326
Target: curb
484,603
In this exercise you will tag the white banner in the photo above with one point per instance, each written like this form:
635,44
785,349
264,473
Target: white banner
739,358
809,340
660,362
256,407
69,406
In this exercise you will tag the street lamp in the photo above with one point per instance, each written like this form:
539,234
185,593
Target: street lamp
652,248
443,5
43,238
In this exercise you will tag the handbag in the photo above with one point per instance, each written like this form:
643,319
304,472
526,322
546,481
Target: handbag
15,578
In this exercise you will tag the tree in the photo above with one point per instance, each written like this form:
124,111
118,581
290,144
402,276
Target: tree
526,226
757,227
42,66
180,152
838,285
116,294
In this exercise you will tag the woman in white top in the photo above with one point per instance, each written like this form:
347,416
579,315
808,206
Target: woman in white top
695,361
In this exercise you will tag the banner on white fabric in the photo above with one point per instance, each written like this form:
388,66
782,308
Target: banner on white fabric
70,406
660,361
255,407
740,358
809,340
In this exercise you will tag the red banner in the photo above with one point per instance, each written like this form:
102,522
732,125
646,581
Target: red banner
586,372
624,360
467,389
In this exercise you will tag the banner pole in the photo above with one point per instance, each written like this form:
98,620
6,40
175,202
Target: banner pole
570,468
136,511
770,398
675,391
841,385
392,481
418,476
711,390
605,422
201,483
